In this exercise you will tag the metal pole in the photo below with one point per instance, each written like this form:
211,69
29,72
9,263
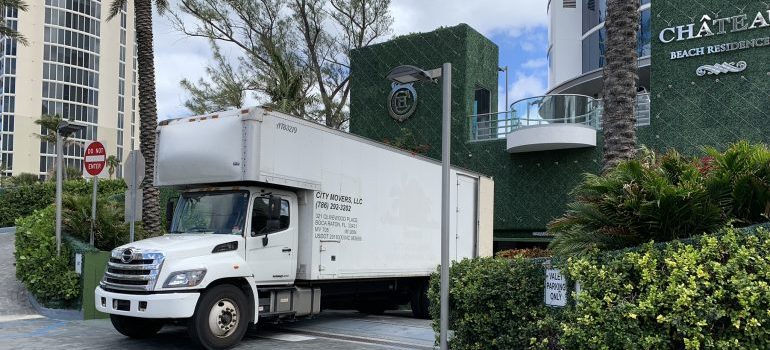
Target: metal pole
59,171
93,209
446,113
132,191
506,91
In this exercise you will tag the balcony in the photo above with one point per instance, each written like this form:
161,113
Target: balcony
549,122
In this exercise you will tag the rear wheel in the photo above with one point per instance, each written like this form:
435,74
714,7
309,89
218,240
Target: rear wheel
135,327
220,319
420,302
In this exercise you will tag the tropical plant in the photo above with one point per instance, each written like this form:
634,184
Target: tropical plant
50,128
112,165
148,109
5,30
619,79
650,198
110,230
740,178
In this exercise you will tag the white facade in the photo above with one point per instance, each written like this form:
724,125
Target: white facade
77,65
577,45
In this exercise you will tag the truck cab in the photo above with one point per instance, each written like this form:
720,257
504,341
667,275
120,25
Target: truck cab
243,236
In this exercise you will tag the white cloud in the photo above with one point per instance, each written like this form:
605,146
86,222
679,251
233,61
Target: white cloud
535,63
511,17
523,86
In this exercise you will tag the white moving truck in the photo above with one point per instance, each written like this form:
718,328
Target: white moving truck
279,218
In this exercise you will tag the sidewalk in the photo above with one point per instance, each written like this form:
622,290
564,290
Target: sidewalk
14,303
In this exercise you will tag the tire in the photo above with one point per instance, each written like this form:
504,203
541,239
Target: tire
221,318
135,327
420,302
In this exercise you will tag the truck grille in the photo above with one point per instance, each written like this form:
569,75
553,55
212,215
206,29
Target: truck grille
132,269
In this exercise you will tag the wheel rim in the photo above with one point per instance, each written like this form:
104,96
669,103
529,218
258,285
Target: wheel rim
223,318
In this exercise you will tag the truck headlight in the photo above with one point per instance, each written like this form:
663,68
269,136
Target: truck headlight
189,278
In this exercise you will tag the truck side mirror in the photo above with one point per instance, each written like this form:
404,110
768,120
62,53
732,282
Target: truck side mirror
169,213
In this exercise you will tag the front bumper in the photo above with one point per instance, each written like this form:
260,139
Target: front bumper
162,305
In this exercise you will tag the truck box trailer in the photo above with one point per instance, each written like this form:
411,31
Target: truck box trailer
279,218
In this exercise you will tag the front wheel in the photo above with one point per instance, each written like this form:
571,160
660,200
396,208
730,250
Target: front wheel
135,327
220,319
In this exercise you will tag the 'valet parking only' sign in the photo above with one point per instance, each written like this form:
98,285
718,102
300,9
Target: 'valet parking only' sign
555,288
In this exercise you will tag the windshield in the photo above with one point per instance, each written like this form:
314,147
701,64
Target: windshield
221,212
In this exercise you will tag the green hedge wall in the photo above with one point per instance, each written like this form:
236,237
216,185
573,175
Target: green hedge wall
710,292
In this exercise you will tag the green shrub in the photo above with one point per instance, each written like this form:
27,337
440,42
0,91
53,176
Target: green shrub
654,197
495,304
20,201
50,278
710,294
110,230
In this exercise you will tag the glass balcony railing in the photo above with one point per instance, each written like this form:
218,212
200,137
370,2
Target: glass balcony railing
548,110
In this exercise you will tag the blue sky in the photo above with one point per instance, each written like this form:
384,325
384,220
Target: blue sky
518,27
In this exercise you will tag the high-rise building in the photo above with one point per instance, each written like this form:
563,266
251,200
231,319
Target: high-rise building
78,65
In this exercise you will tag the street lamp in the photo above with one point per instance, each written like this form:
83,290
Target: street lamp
64,129
411,74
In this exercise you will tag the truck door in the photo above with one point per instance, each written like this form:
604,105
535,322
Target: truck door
272,252
466,212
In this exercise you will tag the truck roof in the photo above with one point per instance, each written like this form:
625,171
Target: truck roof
198,145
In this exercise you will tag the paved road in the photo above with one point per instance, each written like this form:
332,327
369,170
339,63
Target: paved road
14,303
333,331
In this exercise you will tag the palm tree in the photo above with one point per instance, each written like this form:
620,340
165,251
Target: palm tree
50,124
148,110
620,76
5,30
112,164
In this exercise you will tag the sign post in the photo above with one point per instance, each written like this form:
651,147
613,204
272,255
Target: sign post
134,174
93,164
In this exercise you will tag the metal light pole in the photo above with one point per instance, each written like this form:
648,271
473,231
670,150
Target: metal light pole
505,69
446,129
59,169
64,129
410,74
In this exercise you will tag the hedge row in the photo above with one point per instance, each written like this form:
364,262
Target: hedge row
710,292
20,201
50,278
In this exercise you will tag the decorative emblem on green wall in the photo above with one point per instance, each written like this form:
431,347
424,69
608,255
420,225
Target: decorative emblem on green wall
402,101
720,68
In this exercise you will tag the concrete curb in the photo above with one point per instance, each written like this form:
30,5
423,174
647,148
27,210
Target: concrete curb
358,339
6,230
57,314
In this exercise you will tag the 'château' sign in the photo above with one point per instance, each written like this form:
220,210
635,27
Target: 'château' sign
716,26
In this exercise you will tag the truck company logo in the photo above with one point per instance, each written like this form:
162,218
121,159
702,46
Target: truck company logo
710,27
127,256
402,101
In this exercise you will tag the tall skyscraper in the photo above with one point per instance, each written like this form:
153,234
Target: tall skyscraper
78,65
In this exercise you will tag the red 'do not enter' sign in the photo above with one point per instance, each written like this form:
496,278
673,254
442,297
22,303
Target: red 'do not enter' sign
95,158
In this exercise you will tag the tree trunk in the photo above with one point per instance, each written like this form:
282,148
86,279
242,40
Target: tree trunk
620,77
148,114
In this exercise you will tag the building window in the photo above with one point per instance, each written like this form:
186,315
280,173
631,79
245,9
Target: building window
482,123
594,45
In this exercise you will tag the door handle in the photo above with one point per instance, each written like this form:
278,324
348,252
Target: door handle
286,250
